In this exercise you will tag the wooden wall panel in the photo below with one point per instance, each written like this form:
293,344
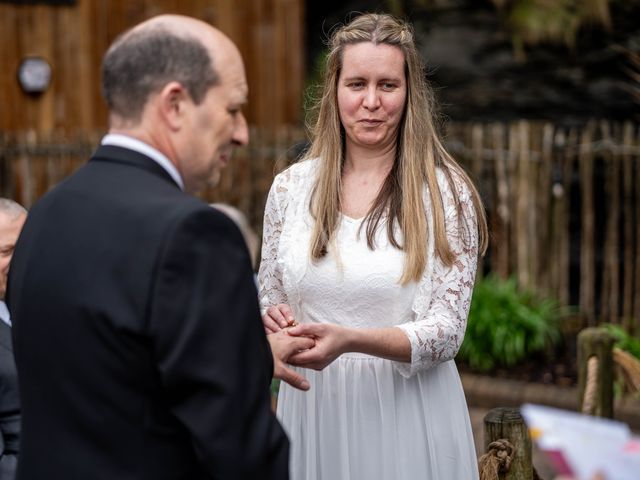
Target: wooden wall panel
73,40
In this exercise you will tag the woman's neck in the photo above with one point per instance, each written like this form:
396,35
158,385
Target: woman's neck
363,175
363,161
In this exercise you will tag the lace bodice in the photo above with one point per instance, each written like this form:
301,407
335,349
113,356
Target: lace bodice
358,287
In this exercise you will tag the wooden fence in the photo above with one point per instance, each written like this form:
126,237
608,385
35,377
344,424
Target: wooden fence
563,203
31,163
564,210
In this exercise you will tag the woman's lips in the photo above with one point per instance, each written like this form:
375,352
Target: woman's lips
370,122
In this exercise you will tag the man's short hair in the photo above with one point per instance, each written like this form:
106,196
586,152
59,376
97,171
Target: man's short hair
140,63
11,209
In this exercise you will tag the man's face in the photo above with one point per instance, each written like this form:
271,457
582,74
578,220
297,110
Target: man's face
9,231
215,127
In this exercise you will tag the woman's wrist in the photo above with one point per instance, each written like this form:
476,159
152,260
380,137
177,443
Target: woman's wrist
350,339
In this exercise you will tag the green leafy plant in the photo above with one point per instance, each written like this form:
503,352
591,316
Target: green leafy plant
507,324
626,376
533,22
623,340
275,386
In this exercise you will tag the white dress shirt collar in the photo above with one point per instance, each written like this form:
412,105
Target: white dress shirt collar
4,313
119,140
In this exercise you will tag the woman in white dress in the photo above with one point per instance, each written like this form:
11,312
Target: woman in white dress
370,247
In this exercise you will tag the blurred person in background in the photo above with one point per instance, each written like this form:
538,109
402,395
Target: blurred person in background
240,219
12,217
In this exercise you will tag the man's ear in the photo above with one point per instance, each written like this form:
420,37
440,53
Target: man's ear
173,102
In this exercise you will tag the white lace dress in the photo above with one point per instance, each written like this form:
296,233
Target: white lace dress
367,418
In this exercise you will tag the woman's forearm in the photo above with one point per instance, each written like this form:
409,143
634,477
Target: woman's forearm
390,343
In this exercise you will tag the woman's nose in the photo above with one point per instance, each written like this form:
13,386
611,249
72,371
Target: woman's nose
371,99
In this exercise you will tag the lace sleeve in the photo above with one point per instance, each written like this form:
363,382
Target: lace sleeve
438,330
270,272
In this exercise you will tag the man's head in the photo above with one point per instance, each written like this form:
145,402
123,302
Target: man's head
12,217
178,84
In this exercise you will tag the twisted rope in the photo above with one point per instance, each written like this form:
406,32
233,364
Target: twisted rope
630,366
589,401
497,459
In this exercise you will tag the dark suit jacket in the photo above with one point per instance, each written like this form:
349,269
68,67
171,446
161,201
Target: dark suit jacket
9,406
137,334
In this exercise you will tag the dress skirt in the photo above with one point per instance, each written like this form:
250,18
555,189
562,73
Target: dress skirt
362,420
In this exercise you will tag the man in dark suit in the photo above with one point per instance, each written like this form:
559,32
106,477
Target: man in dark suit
12,216
138,340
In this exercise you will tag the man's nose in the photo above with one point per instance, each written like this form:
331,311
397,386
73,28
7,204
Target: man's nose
241,131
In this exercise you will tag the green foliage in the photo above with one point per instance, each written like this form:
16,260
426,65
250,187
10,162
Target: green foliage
275,386
624,340
533,22
313,89
506,324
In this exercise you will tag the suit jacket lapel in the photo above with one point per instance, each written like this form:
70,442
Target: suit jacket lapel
114,154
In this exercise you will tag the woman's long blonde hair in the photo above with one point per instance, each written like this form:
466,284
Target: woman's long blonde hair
419,152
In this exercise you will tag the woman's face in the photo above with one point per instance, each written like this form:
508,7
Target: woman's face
372,92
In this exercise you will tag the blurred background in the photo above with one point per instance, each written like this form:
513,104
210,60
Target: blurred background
539,100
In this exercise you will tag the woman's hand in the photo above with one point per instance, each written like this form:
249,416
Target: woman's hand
278,317
331,341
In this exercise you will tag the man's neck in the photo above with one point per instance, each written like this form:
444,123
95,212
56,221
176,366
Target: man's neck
148,149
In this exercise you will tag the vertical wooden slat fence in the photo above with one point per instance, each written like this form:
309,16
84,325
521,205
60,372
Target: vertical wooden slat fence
31,163
563,203
564,210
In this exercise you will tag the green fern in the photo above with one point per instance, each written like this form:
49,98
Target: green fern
507,324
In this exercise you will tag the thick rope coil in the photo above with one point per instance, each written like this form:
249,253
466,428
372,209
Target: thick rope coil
630,366
589,401
497,459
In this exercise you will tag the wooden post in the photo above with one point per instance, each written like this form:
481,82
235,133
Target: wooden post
508,424
522,225
595,360
587,220
502,226
627,202
544,242
636,308
610,291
